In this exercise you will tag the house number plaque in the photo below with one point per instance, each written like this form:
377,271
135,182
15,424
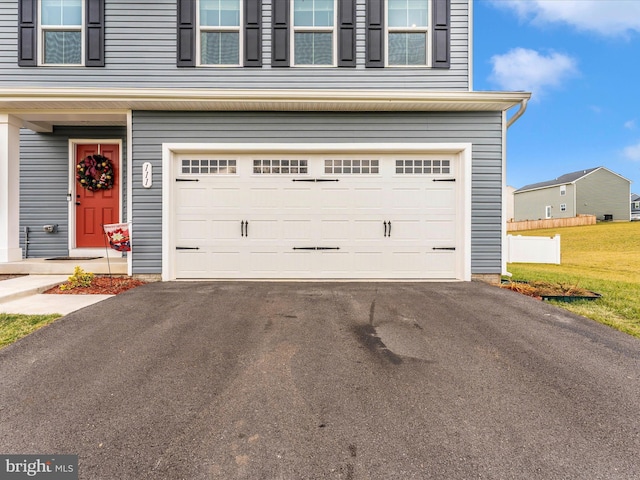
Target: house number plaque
147,177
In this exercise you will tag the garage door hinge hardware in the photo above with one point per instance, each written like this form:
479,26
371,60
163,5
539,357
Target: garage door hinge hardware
316,248
387,224
187,180
244,228
315,180
444,179
187,248
444,248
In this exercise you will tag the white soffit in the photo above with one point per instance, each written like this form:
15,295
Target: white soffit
29,101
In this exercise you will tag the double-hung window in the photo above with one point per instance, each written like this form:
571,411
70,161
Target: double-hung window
61,30
408,32
220,40
314,32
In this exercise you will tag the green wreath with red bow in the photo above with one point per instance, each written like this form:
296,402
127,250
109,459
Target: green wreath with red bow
95,172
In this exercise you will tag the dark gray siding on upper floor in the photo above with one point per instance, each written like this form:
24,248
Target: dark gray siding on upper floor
140,51
44,185
483,130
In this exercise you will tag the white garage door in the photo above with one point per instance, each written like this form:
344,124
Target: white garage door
315,216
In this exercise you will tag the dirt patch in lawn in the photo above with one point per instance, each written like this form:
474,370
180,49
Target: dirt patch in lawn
541,290
101,286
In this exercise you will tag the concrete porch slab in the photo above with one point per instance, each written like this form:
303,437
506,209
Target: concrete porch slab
41,266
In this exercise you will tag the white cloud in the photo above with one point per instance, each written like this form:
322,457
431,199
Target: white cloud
606,17
631,125
528,70
632,152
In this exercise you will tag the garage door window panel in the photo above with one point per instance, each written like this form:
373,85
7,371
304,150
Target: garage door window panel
280,167
423,167
351,166
209,167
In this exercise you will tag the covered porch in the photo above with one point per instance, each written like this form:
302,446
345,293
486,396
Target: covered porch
16,256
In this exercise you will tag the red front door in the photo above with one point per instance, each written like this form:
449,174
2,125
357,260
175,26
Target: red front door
94,209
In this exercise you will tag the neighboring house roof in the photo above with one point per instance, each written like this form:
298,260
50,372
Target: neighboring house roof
564,179
635,197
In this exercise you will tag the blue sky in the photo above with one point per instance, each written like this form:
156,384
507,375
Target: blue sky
581,61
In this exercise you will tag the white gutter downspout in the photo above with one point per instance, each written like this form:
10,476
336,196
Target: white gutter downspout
519,113
506,125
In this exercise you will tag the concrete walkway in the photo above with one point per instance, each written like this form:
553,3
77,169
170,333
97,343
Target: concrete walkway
24,295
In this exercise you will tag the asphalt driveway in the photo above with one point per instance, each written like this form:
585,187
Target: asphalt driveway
325,381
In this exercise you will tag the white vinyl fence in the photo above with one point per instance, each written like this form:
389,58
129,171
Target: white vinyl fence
533,249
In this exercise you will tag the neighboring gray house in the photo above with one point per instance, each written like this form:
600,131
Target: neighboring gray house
635,207
253,138
597,191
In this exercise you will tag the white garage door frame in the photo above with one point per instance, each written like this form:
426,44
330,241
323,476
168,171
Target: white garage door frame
463,152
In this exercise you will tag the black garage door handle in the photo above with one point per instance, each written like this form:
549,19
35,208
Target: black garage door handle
387,224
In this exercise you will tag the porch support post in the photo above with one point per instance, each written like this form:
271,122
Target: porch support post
10,250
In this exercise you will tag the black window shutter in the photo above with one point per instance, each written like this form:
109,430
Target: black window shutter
346,33
95,33
186,54
375,34
280,34
253,33
441,33
27,33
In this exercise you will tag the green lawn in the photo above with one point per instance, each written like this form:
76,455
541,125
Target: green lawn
603,258
14,327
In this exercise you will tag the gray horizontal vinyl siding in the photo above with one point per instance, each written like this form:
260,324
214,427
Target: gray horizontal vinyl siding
604,193
140,50
530,205
44,185
483,130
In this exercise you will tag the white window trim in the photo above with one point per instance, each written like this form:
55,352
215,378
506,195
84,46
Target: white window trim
547,212
307,29
563,190
426,30
563,207
60,28
238,29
